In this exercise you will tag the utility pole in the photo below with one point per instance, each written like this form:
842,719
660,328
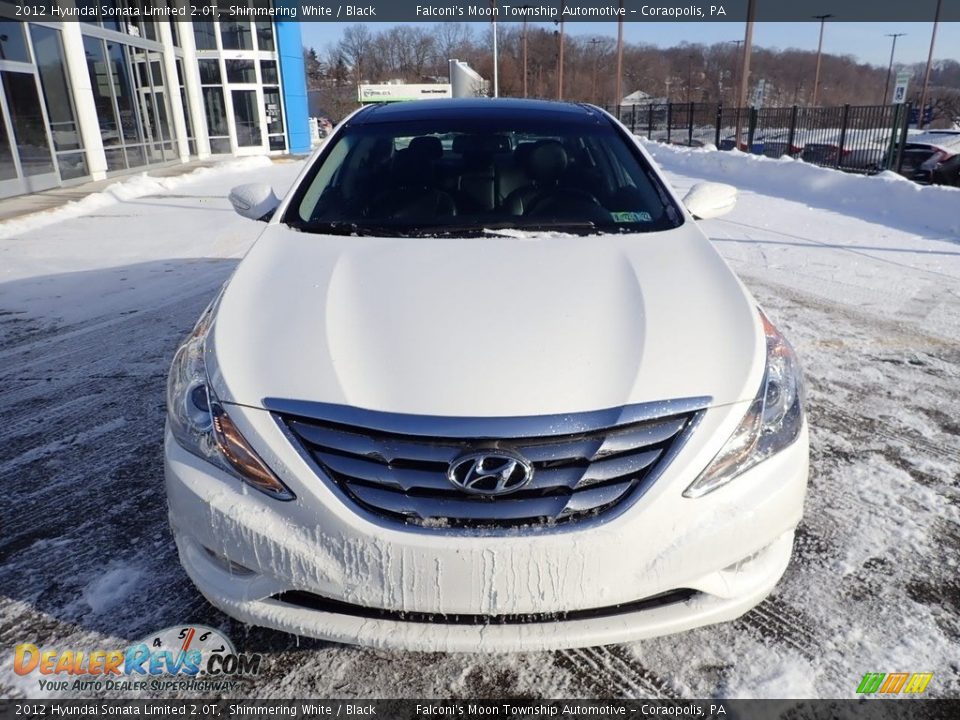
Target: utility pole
926,75
525,53
496,63
619,97
745,69
893,49
560,56
736,71
596,62
816,77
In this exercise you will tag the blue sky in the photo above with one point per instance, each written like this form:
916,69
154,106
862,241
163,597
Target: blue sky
865,41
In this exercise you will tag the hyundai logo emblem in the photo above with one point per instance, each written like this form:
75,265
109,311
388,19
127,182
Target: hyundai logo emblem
490,472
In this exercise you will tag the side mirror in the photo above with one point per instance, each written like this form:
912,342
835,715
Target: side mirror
710,200
255,201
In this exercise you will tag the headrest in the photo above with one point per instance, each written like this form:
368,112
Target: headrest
546,161
481,144
427,147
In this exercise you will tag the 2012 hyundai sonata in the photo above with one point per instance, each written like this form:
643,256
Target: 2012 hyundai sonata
482,383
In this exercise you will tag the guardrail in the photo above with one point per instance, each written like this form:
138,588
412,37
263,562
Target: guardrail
854,138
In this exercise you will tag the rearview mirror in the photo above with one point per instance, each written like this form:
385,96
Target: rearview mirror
710,200
256,201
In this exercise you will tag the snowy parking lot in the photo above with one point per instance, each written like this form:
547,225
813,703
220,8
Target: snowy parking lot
864,280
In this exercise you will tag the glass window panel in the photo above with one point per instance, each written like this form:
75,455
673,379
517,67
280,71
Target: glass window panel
219,146
111,20
163,120
115,159
235,35
204,35
123,90
13,44
216,111
278,142
265,35
156,70
209,72
29,129
56,88
241,71
246,117
268,72
72,165
135,156
273,110
100,80
174,32
8,171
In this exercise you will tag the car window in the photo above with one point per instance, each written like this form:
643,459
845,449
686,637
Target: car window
433,178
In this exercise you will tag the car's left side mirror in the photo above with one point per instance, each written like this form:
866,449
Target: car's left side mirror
709,200
256,201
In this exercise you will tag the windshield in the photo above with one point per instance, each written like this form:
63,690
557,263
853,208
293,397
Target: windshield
475,176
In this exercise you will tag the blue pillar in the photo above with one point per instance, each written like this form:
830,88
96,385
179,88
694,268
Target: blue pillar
294,77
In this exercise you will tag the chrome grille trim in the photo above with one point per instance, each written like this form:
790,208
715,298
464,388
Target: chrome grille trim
395,465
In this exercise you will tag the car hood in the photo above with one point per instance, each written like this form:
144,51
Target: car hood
485,327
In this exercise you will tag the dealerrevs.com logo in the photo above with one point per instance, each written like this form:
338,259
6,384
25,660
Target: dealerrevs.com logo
191,657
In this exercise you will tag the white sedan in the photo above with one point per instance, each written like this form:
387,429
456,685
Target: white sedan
484,384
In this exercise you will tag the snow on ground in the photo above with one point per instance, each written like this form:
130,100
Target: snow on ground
93,305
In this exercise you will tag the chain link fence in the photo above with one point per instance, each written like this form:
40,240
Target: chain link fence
855,138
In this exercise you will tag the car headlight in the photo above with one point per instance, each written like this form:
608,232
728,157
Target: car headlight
772,421
200,423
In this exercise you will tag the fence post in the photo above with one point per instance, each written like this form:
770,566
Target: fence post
719,121
792,135
669,120
907,111
650,121
843,134
751,129
690,126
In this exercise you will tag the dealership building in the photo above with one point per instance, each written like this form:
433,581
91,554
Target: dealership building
101,96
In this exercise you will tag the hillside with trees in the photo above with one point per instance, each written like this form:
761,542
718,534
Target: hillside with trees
688,72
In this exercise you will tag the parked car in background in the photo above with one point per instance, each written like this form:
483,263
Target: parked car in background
857,150
929,157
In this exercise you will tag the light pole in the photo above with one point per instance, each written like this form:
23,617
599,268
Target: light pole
525,7
816,77
893,49
926,75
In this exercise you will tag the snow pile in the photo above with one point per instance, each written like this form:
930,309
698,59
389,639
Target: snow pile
129,188
886,198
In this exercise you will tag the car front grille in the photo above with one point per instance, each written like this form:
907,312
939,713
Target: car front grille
582,465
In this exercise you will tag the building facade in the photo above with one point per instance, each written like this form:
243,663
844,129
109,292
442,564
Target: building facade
86,99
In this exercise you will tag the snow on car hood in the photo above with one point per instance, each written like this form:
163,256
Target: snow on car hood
490,326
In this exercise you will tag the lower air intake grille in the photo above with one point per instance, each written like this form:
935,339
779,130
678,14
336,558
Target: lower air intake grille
582,465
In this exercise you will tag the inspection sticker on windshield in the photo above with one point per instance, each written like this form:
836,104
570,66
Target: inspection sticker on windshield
632,217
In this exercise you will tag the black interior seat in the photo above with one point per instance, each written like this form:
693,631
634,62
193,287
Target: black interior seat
414,195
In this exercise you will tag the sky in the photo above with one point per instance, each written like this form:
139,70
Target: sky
865,41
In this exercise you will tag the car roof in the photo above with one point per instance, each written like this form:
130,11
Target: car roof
943,140
478,108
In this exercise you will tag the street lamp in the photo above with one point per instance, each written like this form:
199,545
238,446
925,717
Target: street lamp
496,73
560,55
893,49
816,78
596,62
619,58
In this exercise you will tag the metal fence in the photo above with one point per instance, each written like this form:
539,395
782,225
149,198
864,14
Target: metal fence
861,139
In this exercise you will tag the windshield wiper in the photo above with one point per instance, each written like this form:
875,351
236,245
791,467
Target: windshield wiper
477,229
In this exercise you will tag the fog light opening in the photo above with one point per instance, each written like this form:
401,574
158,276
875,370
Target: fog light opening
226,564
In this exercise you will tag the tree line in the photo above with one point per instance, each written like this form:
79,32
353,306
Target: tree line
688,72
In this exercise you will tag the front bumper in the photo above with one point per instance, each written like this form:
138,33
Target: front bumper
731,547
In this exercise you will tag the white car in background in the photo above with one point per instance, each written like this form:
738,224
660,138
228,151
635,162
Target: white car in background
498,392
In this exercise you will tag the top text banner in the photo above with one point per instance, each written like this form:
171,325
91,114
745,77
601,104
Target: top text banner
484,11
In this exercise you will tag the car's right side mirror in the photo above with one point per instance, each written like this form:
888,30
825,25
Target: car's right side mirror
256,201
710,200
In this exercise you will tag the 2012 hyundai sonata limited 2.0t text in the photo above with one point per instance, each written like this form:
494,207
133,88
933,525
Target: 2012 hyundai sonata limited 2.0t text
482,383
